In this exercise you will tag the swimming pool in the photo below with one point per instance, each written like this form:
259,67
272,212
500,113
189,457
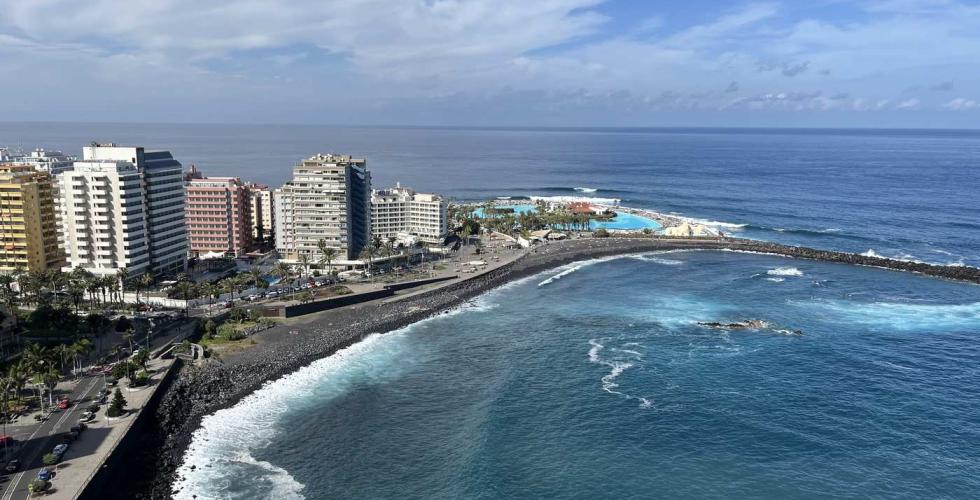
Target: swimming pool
625,220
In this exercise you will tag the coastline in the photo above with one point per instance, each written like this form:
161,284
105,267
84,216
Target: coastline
199,391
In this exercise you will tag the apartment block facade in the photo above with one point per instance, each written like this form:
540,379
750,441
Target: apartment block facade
103,217
401,211
262,212
327,199
162,181
28,228
219,216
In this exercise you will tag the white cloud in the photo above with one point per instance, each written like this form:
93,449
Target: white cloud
961,104
321,56
912,103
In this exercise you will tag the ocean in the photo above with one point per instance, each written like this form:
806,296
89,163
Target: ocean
595,380
902,194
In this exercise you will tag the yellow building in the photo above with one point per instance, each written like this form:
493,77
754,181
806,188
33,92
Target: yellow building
28,227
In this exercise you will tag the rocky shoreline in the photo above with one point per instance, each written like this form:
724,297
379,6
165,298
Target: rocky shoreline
199,391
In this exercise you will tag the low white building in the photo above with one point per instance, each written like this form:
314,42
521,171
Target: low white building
400,211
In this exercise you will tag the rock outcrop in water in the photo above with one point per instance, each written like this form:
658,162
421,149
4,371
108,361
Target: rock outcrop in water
201,390
755,324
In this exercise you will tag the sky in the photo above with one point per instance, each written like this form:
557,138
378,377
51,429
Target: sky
816,63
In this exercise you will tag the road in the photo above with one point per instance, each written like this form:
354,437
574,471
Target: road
42,438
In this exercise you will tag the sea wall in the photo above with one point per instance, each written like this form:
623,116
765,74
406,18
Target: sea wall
200,390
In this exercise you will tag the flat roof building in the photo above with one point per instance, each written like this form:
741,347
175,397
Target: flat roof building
162,180
28,228
103,218
400,210
219,216
327,200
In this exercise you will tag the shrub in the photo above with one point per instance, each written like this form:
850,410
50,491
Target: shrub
141,379
253,315
37,486
49,459
647,230
229,332
210,329
237,314
120,370
600,233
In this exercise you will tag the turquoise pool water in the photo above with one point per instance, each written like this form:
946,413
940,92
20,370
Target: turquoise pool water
621,221
624,220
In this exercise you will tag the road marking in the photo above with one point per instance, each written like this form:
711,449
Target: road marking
11,488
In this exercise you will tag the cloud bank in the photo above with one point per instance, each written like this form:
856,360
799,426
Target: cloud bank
493,62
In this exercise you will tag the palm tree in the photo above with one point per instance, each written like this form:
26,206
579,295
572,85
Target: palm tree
328,254
128,337
367,255
123,276
50,380
210,291
304,261
146,280
282,271
18,378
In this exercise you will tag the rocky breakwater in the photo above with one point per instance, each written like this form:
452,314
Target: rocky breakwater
201,390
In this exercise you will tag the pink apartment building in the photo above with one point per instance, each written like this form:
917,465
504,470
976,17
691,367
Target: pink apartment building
219,216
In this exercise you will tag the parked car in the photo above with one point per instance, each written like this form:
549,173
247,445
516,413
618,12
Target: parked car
87,417
12,466
79,427
67,437
63,403
59,451
44,474
94,407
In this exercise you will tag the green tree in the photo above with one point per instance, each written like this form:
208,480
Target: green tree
142,358
146,281
118,404
367,256
49,459
327,255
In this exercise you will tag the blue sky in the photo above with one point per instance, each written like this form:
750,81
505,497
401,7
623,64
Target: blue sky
820,63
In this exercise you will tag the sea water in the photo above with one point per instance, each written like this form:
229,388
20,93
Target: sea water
897,193
595,380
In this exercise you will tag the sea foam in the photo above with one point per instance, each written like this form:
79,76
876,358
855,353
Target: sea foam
784,271
227,437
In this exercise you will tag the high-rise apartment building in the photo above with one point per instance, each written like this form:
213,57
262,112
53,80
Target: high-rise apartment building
262,212
103,218
402,211
329,199
28,229
163,197
219,216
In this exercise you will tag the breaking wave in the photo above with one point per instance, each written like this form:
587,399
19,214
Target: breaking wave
617,367
784,271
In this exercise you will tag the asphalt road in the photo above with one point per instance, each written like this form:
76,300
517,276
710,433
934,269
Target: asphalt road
41,438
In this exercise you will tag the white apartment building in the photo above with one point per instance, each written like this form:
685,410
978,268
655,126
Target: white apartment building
103,223
164,198
262,212
329,199
402,211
